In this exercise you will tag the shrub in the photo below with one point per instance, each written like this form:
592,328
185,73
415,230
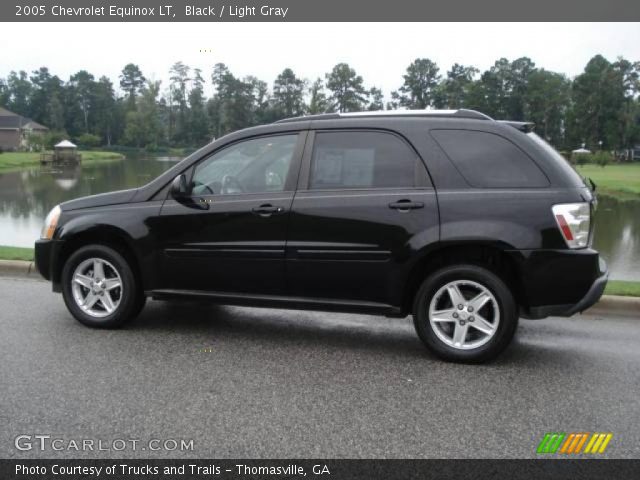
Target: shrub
52,137
582,158
88,140
602,158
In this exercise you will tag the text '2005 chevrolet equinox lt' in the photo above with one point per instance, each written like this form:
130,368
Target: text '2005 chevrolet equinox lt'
465,222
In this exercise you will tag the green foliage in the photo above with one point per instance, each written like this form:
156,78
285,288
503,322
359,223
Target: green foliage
318,98
347,91
582,158
53,137
88,140
36,141
599,105
602,158
420,82
288,94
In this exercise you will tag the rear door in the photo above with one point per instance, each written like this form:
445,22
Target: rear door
364,203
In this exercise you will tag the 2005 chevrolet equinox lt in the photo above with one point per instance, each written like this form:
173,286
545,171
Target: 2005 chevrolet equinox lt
464,222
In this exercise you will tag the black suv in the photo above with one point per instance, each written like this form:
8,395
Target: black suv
465,222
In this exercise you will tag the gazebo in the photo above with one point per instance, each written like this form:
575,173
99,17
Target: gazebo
64,152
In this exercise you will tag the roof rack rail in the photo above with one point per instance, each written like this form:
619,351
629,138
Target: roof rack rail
320,116
460,113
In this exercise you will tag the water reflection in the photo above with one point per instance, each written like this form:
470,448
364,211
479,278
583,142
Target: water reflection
27,196
617,236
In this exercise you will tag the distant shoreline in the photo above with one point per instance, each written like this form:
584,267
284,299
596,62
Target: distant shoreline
16,161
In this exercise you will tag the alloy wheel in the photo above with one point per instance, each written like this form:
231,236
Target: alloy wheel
97,287
464,314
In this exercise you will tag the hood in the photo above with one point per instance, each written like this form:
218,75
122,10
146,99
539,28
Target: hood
101,200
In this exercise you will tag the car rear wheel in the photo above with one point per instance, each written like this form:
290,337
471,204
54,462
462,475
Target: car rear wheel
465,313
99,287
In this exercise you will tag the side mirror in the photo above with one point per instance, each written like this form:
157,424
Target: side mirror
179,187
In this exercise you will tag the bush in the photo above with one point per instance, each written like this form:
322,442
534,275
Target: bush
49,139
88,140
35,141
602,158
582,158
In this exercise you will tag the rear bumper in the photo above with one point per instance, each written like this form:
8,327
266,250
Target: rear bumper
560,282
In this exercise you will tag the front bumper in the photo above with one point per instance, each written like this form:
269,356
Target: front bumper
560,282
46,255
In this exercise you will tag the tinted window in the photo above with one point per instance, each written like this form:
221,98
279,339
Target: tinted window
486,160
252,166
361,160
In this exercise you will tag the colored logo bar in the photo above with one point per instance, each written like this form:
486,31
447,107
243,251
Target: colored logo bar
574,443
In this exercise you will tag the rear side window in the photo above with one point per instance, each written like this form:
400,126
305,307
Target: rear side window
352,159
487,160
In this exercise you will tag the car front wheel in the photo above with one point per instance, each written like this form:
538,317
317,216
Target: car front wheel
99,287
465,313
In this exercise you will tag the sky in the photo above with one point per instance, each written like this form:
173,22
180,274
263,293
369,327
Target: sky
380,52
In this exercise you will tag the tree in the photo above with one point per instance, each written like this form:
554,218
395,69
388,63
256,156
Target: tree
179,76
45,103
598,104
234,100
318,98
504,88
377,99
420,83
104,109
19,89
143,127
82,87
4,92
132,81
456,88
546,103
198,119
630,75
347,91
288,94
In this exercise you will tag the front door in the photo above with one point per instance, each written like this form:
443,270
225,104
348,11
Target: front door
364,199
230,235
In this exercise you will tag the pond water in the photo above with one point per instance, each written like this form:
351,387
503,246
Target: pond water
27,196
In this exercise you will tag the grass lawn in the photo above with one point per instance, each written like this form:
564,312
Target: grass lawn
18,160
627,289
617,180
16,253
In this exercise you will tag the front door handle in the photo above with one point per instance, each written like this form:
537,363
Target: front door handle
267,210
405,205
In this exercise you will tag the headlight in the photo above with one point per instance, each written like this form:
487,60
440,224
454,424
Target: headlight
573,220
50,223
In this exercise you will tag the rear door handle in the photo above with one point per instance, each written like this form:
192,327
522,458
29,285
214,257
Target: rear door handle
405,205
267,210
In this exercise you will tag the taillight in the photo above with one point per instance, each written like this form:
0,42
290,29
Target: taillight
573,220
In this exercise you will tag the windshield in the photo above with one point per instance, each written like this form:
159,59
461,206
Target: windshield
579,180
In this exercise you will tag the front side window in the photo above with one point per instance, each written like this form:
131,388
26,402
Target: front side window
352,159
487,160
251,166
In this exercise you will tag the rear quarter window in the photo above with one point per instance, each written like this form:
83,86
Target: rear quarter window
487,160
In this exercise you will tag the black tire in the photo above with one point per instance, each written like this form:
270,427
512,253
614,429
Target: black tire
130,297
508,311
